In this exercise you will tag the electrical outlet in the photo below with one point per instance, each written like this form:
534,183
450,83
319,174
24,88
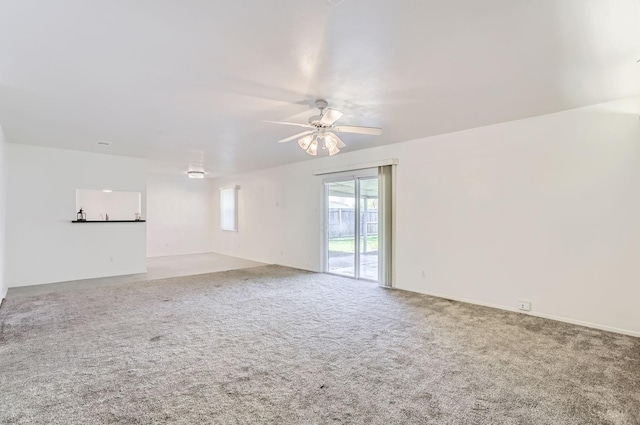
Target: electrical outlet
524,305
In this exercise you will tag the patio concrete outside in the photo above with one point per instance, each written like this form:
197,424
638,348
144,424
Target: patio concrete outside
343,263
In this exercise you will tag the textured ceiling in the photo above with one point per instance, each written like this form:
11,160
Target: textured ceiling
192,82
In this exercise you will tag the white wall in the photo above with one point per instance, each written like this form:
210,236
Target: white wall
42,244
544,209
278,217
179,214
3,213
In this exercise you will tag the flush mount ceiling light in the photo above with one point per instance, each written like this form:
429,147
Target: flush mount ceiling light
195,174
323,131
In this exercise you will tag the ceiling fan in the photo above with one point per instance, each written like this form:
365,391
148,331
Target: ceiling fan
324,129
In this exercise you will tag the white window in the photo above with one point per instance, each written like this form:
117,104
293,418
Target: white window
229,208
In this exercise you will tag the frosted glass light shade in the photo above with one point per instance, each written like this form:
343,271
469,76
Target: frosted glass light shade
305,142
313,148
330,142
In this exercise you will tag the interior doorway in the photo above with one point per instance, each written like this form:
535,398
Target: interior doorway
352,236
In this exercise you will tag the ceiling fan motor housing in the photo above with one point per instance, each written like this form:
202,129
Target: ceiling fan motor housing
315,120
321,104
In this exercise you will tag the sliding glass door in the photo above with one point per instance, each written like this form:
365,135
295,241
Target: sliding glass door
341,225
368,228
352,227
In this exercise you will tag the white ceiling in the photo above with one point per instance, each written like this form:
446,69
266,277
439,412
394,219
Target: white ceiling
192,81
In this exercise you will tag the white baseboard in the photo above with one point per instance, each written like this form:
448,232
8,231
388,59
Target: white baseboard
541,315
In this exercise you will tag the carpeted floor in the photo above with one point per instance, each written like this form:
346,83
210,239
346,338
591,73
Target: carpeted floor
272,345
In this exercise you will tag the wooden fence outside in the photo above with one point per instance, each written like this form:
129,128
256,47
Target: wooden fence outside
341,223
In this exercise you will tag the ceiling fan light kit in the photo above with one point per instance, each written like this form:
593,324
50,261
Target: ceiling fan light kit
323,130
195,174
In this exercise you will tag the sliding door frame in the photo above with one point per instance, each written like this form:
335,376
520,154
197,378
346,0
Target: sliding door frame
356,177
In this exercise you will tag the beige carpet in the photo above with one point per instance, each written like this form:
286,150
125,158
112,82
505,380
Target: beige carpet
271,345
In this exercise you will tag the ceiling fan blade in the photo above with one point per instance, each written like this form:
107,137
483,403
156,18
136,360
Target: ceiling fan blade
372,131
330,116
295,136
291,123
